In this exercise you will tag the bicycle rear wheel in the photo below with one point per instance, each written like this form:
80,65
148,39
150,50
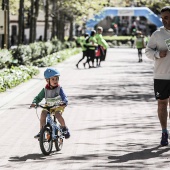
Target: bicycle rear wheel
58,142
45,141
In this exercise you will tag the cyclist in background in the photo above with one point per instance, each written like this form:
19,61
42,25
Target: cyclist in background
52,90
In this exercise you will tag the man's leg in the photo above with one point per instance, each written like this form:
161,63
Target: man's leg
162,114
81,59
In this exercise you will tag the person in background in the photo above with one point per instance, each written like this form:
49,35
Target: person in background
157,50
92,44
84,46
146,39
132,40
40,38
140,44
102,44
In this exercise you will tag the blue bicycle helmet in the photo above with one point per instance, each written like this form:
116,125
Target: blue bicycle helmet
51,72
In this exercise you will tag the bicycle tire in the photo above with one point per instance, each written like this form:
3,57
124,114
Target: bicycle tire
46,138
58,142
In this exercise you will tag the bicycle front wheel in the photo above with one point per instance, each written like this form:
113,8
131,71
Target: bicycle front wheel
46,143
58,142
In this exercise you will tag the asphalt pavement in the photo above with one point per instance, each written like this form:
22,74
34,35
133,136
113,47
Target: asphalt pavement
111,115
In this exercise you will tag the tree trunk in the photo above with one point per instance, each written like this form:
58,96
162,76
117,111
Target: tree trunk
8,19
21,22
71,29
46,20
62,27
57,25
35,18
54,19
5,36
32,22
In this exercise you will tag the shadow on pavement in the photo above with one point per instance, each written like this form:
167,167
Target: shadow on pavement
31,157
108,94
140,155
18,106
26,157
110,99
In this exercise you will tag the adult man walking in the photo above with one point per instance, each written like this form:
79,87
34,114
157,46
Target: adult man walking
157,50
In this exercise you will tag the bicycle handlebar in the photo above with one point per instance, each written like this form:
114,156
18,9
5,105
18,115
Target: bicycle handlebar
47,107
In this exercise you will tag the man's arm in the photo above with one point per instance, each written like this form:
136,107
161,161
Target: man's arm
151,48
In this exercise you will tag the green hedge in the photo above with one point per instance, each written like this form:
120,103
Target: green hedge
28,54
57,57
16,75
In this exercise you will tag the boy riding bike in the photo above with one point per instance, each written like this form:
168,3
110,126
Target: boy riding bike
52,90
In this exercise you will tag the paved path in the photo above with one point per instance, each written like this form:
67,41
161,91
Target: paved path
111,115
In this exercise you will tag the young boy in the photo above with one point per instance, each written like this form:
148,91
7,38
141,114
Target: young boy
52,90
140,44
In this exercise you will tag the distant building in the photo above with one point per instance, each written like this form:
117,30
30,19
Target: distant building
13,27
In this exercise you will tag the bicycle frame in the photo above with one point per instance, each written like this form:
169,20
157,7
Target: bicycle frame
54,125
51,132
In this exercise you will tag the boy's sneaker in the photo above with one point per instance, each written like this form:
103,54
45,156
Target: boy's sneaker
65,132
164,140
37,136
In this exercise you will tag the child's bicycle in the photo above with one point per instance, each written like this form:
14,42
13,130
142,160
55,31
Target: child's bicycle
51,132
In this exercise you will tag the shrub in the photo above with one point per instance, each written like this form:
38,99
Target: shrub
5,58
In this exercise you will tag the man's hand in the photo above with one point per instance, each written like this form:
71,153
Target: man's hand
162,54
